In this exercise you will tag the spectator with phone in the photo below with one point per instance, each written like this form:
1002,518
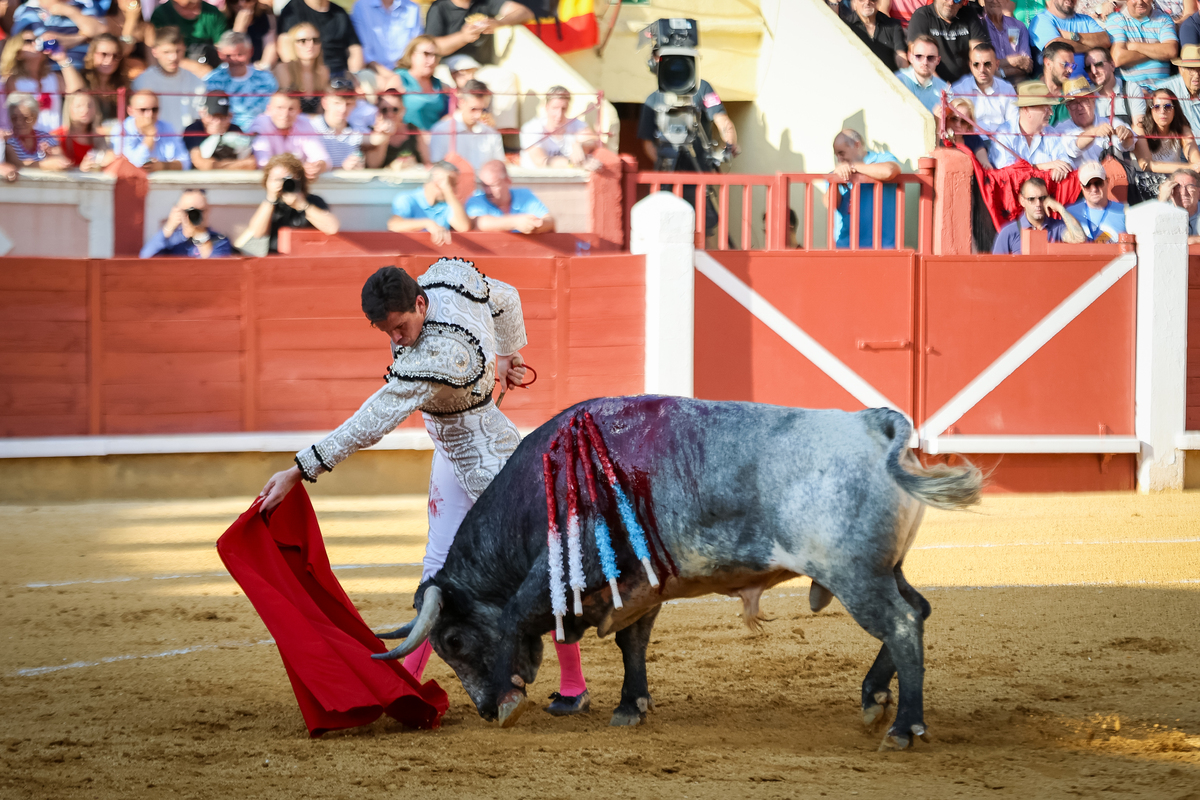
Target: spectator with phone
26,65
186,232
288,204
393,143
214,142
69,23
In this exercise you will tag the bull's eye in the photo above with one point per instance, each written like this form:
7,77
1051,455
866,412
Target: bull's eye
454,643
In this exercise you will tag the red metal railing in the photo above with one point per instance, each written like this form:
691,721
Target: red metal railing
777,189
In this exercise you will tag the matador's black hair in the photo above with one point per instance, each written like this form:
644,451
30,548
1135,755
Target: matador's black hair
389,289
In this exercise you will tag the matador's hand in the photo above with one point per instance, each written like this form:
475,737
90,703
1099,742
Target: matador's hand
278,487
512,370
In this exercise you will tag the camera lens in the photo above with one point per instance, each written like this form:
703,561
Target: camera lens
195,216
677,74
289,185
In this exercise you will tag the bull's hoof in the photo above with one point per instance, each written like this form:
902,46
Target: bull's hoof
626,717
513,704
875,715
564,706
897,739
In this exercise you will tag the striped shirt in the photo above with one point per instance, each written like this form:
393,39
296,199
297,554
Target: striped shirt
1153,29
39,152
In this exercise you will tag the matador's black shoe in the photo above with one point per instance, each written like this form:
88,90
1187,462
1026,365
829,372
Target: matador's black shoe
566,706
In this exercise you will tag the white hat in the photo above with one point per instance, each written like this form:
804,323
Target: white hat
1089,171
460,62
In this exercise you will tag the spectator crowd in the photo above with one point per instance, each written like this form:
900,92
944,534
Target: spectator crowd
299,87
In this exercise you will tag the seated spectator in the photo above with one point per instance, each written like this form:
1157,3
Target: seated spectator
257,21
202,26
457,26
393,144
340,47
385,27
993,99
27,147
961,127
288,204
1058,61
1166,142
1115,98
855,164
177,89
186,231
426,99
1084,137
1036,201
474,140
1186,84
919,76
247,87
282,130
1027,138
1059,21
553,140
883,35
1182,190
146,141
27,68
106,72
1143,41
497,206
342,141
1010,37
1102,220
214,142
956,28
80,136
462,69
434,207
71,24
303,72
900,10
1189,30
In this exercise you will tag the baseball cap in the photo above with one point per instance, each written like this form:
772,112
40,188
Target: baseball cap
1089,171
341,85
217,104
460,62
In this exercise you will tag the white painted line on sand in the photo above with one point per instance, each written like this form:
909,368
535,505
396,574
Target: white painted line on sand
219,574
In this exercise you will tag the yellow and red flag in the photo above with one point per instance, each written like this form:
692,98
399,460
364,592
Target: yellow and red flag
574,29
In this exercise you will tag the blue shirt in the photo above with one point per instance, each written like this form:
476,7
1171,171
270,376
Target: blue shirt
255,82
866,209
1189,30
522,201
1155,28
1102,225
179,245
384,33
423,110
31,15
168,145
413,205
929,95
1008,240
1045,26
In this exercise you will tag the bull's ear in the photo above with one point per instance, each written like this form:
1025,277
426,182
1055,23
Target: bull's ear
457,599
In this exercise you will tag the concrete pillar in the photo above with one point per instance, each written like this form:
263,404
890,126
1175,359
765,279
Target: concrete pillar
662,228
1160,393
952,202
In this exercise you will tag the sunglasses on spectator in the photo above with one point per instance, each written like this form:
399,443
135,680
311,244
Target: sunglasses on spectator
145,110
983,64
308,40
1037,198
1095,183
925,58
25,41
1162,106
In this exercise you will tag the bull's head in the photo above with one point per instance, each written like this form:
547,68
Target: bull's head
469,636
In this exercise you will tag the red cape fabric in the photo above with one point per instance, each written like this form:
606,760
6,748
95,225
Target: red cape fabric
1000,187
325,645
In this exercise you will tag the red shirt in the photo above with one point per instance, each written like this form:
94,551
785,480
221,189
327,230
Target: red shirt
70,147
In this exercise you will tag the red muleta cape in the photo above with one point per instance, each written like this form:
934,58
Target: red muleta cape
325,645
1000,187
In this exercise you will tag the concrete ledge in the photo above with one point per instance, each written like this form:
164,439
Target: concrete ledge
1031,444
288,442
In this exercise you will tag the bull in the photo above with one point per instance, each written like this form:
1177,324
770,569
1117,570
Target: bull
735,498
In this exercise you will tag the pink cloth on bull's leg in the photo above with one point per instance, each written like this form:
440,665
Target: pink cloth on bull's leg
570,680
415,661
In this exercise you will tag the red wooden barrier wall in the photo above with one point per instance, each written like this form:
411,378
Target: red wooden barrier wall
181,346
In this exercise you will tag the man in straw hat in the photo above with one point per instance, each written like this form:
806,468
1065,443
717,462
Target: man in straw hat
1186,85
1036,201
1084,138
1026,138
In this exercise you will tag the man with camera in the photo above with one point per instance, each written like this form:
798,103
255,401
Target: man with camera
186,231
677,120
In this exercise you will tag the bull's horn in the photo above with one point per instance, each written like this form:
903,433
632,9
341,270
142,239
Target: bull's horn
431,607
399,633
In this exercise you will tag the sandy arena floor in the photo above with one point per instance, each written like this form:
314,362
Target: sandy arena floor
1063,659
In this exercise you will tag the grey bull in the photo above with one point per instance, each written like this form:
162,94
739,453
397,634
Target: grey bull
734,498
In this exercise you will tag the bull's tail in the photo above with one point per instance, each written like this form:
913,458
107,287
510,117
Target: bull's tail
941,485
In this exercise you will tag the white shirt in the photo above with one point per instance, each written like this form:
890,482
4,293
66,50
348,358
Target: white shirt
994,105
477,147
533,133
1092,152
173,108
1038,150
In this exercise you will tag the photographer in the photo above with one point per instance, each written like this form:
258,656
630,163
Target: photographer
288,204
186,231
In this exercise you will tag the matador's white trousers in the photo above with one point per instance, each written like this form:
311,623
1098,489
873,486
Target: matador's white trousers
448,505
